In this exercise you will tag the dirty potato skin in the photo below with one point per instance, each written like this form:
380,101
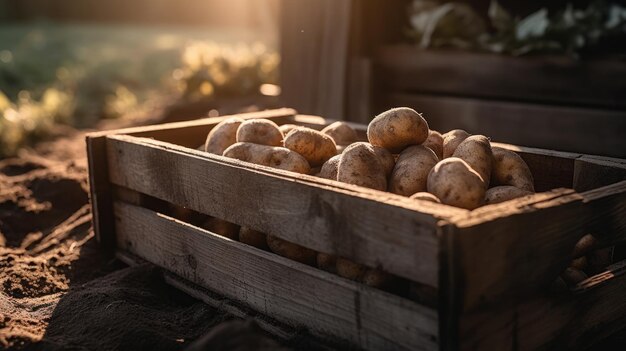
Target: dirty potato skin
330,168
316,147
504,193
360,165
286,128
341,133
386,159
223,135
377,279
455,183
476,151
435,143
272,156
260,131
410,173
510,169
291,251
221,227
425,197
253,238
451,140
397,128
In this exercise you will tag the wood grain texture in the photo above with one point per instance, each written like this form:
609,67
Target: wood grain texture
375,228
555,79
552,322
314,50
101,196
193,133
511,249
584,130
275,286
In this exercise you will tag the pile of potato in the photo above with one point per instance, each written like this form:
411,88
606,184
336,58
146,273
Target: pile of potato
401,155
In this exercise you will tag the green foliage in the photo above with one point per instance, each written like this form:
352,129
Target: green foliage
569,31
78,75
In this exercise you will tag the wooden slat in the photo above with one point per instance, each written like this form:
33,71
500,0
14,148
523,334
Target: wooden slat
593,172
100,192
589,131
515,248
193,133
555,79
557,322
275,286
374,228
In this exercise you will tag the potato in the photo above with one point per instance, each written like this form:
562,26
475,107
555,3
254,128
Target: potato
510,169
584,246
411,170
579,263
350,269
573,276
504,193
599,260
360,165
223,135
221,227
260,131
341,133
377,278
435,143
316,147
291,251
451,140
425,196
387,160
327,262
315,171
340,148
330,168
272,156
476,151
397,128
455,183
253,238
286,128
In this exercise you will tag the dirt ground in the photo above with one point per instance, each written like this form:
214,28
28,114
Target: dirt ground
60,293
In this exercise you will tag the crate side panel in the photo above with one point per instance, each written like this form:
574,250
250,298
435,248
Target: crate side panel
101,197
276,286
398,240
557,322
512,249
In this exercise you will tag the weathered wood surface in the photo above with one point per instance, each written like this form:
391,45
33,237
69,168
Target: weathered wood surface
515,248
100,195
314,49
552,322
584,130
557,79
275,286
374,228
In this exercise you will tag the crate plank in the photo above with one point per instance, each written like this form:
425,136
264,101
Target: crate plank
594,172
371,227
548,79
552,322
275,286
515,248
193,133
100,195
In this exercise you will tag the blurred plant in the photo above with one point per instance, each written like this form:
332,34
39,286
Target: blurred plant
569,31
210,70
79,75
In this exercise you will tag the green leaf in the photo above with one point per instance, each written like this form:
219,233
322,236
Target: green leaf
533,26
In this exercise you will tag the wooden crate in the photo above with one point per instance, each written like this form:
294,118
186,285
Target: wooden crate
490,267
